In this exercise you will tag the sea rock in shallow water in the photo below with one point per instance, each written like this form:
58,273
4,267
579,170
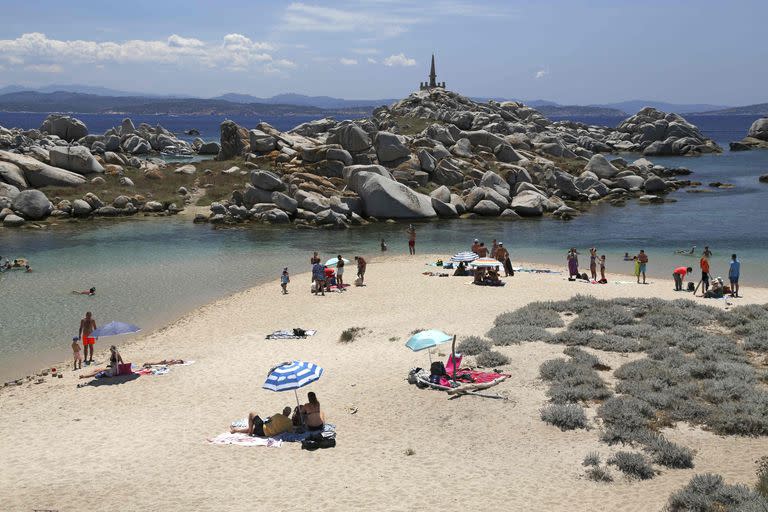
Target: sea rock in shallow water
75,158
32,205
601,167
487,208
528,203
66,127
12,221
759,129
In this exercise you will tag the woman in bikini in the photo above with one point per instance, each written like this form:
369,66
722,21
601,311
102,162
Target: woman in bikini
314,419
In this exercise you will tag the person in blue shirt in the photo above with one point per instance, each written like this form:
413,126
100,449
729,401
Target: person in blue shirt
733,275
318,274
284,280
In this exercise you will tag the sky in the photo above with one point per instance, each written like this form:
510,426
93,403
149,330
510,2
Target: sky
572,52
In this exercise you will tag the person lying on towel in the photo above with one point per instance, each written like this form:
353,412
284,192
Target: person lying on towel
270,427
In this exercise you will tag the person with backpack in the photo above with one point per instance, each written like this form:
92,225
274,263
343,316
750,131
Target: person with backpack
679,275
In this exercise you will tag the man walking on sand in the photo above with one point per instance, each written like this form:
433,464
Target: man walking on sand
642,260
361,264
87,326
411,231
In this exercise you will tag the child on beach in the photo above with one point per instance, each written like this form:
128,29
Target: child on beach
603,280
77,355
383,245
284,280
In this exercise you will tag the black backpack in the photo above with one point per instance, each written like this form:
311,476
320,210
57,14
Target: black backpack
299,332
319,440
437,368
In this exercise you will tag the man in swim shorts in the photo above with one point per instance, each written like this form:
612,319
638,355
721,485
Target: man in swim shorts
733,275
87,326
411,231
642,260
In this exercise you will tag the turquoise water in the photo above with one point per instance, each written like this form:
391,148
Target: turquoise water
149,272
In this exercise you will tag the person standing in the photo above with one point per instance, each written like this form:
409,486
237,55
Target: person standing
314,259
340,272
482,250
383,245
77,355
502,254
642,259
318,275
475,246
284,280
679,275
494,248
603,280
707,253
704,264
733,275
593,263
87,326
411,231
573,264
361,264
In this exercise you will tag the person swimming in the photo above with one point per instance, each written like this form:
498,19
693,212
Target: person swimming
91,292
683,251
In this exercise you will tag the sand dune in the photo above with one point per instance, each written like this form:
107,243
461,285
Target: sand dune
142,444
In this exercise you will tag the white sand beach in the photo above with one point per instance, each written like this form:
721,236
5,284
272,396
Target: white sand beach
141,444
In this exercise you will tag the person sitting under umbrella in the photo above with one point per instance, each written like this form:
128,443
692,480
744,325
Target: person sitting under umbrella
313,418
272,426
115,360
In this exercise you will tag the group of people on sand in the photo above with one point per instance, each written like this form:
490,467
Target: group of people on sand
572,260
308,416
711,287
326,278
16,264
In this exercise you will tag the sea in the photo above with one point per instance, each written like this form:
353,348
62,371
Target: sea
151,271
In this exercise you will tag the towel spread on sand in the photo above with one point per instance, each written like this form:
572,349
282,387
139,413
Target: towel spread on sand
478,376
287,437
245,440
288,335
537,270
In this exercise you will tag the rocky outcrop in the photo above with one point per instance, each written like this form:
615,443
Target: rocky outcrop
32,205
659,133
65,127
234,140
757,137
75,158
386,198
38,174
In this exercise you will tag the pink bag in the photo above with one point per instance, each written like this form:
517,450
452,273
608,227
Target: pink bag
124,369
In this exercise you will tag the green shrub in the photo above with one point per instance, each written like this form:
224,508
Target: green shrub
592,459
626,419
709,493
762,477
535,314
666,453
473,345
757,342
512,334
351,334
491,359
634,465
576,304
598,474
565,416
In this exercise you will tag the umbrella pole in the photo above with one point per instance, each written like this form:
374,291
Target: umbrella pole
453,356
298,407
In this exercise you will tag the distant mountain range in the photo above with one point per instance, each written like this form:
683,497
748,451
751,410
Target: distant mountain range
86,98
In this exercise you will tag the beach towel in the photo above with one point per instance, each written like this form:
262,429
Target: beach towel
286,334
537,270
467,375
245,440
287,437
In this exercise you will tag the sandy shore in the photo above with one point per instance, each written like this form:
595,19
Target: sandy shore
141,444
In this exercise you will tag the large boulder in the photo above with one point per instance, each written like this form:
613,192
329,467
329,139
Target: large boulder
443,209
351,171
564,182
209,148
136,145
351,137
285,202
66,127
483,138
81,208
75,158
390,147
759,129
439,133
254,195
267,180
12,221
342,155
628,182
261,142
654,184
492,180
385,198
38,174
276,216
487,208
528,203
507,154
427,162
601,167
13,175
462,148
447,173
32,205
441,193
234,140
9,191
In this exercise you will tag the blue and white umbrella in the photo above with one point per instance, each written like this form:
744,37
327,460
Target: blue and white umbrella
464,256
292,376
334,261
115,329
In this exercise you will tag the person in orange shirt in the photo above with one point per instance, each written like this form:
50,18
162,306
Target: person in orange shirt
678,275
704,263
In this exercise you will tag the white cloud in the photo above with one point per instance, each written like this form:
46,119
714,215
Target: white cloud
541,73
371,60
384,22
348,62
365,51
44,68
234,52
399,60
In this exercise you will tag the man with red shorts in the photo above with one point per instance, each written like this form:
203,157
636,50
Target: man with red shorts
87,326
411,231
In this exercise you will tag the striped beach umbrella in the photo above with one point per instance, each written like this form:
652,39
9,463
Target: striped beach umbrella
487,262
464,256
292,376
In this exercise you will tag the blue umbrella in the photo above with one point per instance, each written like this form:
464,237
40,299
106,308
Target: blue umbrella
333,261
115,329
464,256
428,339
292,376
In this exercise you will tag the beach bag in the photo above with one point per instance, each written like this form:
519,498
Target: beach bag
437,368
320,440
299,332
124,369
691,286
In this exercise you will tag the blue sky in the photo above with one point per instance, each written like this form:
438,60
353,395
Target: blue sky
575,52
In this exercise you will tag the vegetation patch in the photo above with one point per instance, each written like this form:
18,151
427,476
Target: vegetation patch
634,465
473,345
351,334
564,416
710,493
491,359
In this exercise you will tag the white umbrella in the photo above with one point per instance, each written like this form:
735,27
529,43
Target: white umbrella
333,261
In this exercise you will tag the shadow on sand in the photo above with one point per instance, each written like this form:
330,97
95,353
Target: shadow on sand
111,381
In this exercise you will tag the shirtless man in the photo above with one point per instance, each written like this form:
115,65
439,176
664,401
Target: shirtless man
411,231
502,255
87,326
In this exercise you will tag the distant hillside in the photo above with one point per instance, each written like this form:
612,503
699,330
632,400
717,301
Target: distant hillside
580,111
28,101
634,106
760,109
324,102
79,88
